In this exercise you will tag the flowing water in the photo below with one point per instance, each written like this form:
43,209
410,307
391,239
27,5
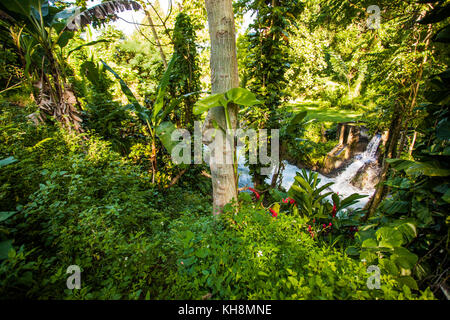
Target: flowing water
341,184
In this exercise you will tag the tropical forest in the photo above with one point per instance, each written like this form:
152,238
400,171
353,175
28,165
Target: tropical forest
224,149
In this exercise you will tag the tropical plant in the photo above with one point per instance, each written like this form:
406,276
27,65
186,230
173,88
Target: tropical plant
420,188
185,77
266,63
41,30
153,118
5,244
385,245
235,96
307,193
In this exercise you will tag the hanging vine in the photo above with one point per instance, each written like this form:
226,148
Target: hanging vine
185,77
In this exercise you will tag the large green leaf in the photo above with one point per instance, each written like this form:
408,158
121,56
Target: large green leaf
389,237
407,228
64,38
62,17
5,246
321,197
44,9
304,184
319,190
404,258
239,96
125,89
351,199
432,169
399,183
443,129
87,45
408,281
295,121
393,205
242,97
390,266
159,103
214,100
369,243
4,215
352,251
6,161
22,6
164,132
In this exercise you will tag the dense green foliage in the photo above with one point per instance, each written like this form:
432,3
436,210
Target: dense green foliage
87,206
87,177
186,74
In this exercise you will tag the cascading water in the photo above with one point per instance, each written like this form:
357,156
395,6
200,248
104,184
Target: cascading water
341,182
343,179
372,147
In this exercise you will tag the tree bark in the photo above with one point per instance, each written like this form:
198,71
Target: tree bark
391,152
411,147
155,35
224,76
400,120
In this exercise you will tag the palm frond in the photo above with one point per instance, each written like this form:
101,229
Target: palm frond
101,12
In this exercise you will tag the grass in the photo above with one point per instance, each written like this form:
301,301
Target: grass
316,110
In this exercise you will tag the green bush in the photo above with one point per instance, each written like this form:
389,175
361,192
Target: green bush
80,203
250,255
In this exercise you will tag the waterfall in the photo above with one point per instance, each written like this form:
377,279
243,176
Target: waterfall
341,182
372,147
358,161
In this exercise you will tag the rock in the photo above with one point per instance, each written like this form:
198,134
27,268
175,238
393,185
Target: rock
367,176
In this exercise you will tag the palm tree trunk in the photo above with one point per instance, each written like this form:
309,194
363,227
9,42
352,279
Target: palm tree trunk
224,76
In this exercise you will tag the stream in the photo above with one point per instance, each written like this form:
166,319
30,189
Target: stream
341,184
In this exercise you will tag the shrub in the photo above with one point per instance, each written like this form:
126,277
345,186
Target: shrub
250,255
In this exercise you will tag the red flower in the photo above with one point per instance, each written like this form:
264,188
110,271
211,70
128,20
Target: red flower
309,228
324,226
288,200
330,224
274,213
255,192
314,220
333,212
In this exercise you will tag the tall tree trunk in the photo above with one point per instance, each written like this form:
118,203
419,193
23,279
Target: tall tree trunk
391,151
224,76
411,147
155,35
400,119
